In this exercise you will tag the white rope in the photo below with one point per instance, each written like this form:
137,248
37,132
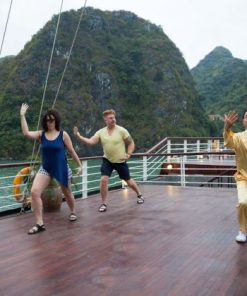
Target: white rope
71,48
64,71
32,162
49,67
6,25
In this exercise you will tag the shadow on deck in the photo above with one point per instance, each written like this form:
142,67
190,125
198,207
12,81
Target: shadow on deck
179,242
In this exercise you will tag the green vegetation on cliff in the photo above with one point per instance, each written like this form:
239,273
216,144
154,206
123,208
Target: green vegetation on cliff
119,61
221,79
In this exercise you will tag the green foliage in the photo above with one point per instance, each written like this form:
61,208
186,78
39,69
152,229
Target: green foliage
221,80
119,61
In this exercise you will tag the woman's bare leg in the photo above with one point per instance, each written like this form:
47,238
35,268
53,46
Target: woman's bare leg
40,182
69,197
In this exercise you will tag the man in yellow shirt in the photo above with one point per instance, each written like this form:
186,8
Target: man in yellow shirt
238,142
114,140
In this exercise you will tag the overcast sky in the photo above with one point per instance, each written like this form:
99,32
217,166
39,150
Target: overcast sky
195,26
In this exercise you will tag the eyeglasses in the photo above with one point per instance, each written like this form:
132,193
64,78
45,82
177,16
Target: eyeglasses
50,120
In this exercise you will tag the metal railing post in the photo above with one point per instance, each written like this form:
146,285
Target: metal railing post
145,168
209,145
185,148
209,148
84,179
182,171
198,143
169,150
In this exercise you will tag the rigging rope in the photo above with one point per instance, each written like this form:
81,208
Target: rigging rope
6,25
45,86
63,74
32,163
71,48
33,160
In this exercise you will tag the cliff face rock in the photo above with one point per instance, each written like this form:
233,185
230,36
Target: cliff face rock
119,61
102,86
221,80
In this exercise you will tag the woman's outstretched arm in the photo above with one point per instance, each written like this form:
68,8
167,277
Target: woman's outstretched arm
33,135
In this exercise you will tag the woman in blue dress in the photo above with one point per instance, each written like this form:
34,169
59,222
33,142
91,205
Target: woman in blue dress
54,143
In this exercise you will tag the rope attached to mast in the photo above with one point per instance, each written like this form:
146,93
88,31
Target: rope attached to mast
46,83
70,51
32,163
6,25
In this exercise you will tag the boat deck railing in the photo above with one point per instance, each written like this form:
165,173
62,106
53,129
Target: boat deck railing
174,161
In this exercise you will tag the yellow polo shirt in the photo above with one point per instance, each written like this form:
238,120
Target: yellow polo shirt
238,142
113,145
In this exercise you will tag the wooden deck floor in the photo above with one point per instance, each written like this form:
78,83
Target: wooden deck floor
180,242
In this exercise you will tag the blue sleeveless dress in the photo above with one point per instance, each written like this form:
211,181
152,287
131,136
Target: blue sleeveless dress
54,159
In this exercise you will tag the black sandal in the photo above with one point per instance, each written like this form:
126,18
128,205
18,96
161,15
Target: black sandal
103,208
36,228
140,199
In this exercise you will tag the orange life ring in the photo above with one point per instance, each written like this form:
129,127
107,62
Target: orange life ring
17,182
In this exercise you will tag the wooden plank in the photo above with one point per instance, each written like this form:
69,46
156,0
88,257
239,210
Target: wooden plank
179,242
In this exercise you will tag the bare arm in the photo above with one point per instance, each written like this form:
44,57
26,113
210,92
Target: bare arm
33,135
71,150
129,142
89,141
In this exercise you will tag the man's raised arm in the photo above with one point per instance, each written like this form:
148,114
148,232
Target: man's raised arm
89,141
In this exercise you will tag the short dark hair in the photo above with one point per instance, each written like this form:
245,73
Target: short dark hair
48,115
244,114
